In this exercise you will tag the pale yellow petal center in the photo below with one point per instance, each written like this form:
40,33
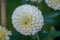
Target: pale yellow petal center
26,21
2,35
55,1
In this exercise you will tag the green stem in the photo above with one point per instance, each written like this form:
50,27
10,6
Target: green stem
37,36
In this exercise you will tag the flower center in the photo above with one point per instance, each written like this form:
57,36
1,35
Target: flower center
26,21
2,35
55,1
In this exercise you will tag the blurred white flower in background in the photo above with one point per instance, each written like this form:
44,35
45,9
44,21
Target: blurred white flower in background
27,19
38,1
55,4
4,34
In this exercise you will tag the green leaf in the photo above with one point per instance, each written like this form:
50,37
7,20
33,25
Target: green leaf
49,18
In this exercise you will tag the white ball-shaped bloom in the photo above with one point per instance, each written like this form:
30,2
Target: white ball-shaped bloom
4,34
27,19
55,4
38,1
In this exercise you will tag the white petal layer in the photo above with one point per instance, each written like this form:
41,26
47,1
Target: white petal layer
27,19
4,34
55,4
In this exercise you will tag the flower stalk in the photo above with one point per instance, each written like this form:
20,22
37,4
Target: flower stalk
37,36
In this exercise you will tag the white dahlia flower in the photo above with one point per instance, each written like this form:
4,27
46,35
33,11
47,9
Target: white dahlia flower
38,1
4,34
27,19
55,4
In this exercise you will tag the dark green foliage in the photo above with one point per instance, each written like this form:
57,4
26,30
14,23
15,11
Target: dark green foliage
51,17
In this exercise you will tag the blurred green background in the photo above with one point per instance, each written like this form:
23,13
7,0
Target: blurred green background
51,28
